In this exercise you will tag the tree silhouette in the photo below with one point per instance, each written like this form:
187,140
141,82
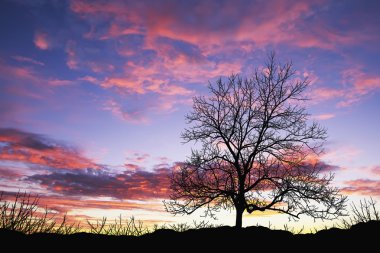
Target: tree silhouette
258,151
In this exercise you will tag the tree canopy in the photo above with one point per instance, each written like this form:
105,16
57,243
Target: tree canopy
258,150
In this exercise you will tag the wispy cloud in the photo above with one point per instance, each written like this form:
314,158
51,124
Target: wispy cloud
131,116
27,60
324,116
356,85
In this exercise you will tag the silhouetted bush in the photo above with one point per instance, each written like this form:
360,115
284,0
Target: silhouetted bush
365,211
24,215
130,227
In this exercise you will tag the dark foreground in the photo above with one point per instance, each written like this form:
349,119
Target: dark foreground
360,236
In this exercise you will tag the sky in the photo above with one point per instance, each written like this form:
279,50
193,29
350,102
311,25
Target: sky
93,94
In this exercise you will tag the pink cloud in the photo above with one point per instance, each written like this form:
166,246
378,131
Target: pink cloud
59,82
367,84
356,86
324,93
126,83
132,167
35,149
140,80
9,71
27,82
325,116
90,79
341,155
136,157
100,67
360,85
184,50
131,116
27,60
365,187
116,30
376,170
72,61
41,41
262,23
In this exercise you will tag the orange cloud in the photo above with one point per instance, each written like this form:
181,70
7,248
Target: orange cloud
41,41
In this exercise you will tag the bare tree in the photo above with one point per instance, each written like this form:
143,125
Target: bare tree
257,150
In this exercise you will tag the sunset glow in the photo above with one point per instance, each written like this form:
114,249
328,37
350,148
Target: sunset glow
93,93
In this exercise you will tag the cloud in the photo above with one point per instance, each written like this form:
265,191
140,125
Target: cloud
325,116
10,172
34,149
321,94
261,23
173,48
341,155
127,84
56,169
139,107
59,82
141,79
136,157
361,85
10,72
365,187
356,86
90,79
72,61
131,116
132,184
41,41
66,204
376,170
27,60
19,74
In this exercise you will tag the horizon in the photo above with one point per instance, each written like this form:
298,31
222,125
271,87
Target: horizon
93,94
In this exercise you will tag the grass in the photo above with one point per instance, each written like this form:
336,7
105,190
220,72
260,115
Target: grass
23,214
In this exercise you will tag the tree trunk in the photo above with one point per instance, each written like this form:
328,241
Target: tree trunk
239,217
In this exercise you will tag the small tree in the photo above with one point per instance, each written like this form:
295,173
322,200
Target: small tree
258,150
